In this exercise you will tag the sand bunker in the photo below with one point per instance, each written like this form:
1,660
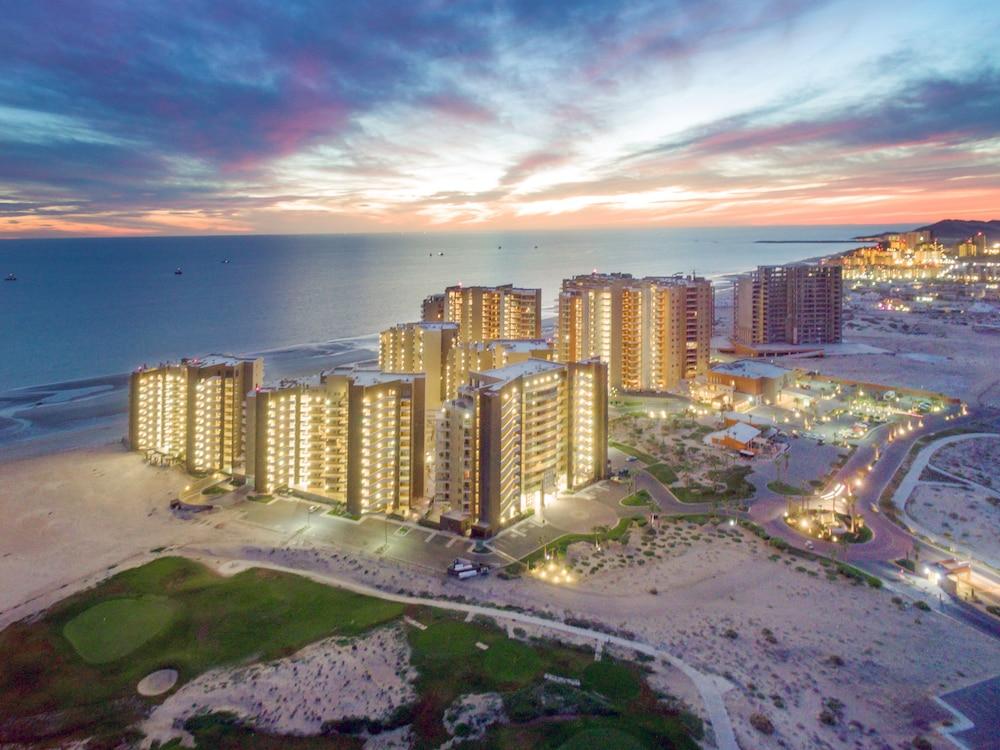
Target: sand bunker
158,682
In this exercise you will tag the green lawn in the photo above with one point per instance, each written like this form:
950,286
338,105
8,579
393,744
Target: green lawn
559,545
196,620
786,489
612,680
736,487
606,738
637,499
646,458
663,473
115,628
613,707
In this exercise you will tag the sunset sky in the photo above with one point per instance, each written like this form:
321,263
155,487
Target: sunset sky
188,117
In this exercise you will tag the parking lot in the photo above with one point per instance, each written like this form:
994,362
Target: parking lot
406,542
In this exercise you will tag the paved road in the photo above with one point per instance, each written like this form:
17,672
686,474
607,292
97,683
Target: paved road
710,687
889,541
912,478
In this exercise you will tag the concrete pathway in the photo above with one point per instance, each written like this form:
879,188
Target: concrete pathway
710,687
912,479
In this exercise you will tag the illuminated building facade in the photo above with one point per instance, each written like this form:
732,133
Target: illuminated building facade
193,412
357,438
476,356
485,313
801,303
518,434
421,347
652,332
432,308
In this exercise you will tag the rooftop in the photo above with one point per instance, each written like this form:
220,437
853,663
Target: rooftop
750,368
503,375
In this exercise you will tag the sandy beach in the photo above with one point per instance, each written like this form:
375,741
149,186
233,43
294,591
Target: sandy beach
792,642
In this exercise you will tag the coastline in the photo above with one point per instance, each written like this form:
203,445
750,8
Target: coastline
87,412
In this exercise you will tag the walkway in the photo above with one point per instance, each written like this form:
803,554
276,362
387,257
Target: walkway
912,479
710,687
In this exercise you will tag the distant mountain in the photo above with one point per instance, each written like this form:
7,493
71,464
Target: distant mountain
950,231
954,230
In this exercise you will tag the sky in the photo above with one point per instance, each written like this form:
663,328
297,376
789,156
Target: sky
214,116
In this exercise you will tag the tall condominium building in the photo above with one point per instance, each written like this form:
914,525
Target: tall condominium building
795,304
485,313
421,347
193,411
652,332
432,308
476,356
518,434
357,438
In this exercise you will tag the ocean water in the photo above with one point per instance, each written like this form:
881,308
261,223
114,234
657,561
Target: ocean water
89,307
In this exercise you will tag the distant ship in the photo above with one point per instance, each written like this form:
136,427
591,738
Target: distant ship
10,277
225,261
177,272
440,253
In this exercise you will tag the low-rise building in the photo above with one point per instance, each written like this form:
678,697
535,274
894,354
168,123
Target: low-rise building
739,436
752,377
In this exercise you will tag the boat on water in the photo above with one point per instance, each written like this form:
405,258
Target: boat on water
441,253
178,272
10,277
225,261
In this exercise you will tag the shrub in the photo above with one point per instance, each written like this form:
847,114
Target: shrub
761,723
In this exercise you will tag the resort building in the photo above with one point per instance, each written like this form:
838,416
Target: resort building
517,435
752,377
485,313
476,356
789,305
193,412
432,308
652,332
425,347
356,438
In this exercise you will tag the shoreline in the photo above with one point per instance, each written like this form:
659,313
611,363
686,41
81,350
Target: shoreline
88,411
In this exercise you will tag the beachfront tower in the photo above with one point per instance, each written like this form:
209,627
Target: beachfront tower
652,332
355,438
193,412
518,435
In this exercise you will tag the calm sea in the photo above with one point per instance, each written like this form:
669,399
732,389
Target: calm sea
89,307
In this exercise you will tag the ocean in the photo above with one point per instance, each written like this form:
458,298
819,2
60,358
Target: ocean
82,308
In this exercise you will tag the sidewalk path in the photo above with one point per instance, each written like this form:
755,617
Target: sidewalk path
710,687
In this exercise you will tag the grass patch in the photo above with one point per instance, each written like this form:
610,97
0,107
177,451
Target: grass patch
559,545
612,680
214,621
646,458
663,473
607,738
786,489
115,628
637,499
215,489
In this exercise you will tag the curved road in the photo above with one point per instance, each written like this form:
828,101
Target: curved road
709,687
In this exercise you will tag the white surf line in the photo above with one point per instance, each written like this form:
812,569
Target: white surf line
710,687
